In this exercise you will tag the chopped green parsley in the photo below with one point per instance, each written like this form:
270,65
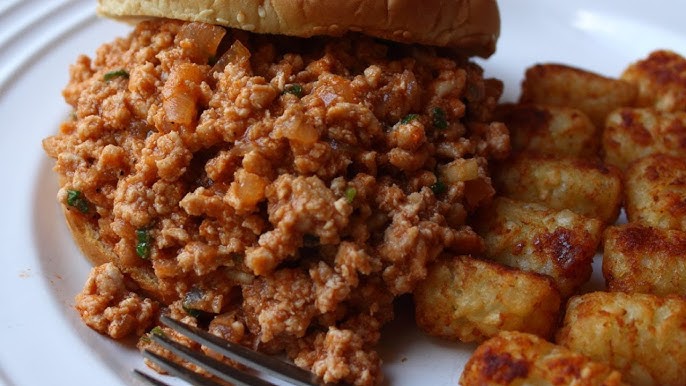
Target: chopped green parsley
350,194
116,74
294,89
409,118
439,119
439,187
143,244
75,199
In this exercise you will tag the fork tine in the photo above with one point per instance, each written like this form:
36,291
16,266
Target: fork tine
217,368
178,370
148,379
258,361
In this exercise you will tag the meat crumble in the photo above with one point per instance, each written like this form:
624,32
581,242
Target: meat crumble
107,306
280,192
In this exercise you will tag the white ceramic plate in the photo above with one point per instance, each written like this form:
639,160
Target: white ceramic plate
42,340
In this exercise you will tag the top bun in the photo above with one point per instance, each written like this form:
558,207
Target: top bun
469,26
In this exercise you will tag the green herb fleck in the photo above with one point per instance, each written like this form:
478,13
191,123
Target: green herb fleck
75,199
439,187
116,74
439,118
143,244
350,194
409,118
157,330
294,89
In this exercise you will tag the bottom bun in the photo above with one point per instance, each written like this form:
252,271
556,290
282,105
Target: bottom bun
87,238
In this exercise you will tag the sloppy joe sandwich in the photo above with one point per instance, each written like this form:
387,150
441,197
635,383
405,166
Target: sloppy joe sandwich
277,172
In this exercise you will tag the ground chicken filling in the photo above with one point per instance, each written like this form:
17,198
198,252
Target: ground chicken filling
280,192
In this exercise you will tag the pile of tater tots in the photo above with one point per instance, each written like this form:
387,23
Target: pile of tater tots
584,147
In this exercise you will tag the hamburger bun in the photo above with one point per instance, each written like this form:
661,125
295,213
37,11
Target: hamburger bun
87,238
471,27
221,171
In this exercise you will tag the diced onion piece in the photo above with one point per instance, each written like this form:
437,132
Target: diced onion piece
459,170
327,96
333,87
180,109
240,276
296,127
446,86
246,191
237,54
205,39
180,93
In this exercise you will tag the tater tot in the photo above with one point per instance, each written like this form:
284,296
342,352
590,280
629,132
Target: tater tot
641,335
584,186
468,299
560,244
561,85
516,358
631,134
640,258
661,80
559,131
656,191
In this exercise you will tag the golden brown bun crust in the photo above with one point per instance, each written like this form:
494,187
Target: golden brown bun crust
87,238
470,26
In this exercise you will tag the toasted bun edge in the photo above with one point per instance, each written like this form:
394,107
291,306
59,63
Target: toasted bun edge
472,27
87,238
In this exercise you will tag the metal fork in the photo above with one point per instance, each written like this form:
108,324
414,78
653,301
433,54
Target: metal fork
252,359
